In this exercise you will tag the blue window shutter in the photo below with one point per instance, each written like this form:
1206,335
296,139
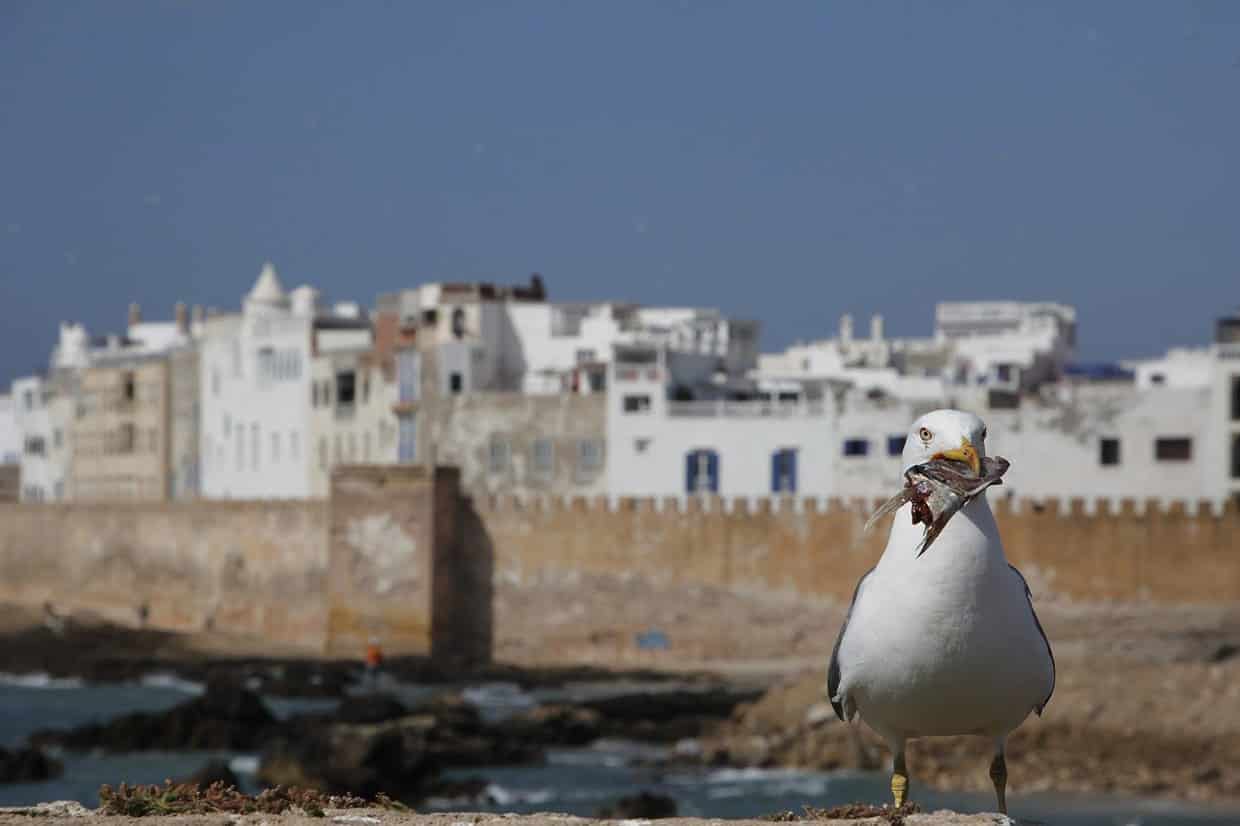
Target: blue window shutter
690,470
792,470
712,468
776,458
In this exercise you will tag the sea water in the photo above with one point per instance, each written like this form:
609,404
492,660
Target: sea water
572,781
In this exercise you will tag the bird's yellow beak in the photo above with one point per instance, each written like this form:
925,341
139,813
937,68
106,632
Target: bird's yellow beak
965,453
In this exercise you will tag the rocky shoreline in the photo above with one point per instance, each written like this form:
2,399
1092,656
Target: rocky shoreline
1143,706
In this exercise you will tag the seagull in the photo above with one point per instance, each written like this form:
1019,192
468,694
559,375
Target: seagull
946,643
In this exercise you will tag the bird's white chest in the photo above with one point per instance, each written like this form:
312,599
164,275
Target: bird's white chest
942,643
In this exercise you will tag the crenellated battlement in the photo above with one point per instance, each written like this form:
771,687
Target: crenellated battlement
1064,507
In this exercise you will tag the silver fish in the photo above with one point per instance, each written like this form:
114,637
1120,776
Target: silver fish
938,489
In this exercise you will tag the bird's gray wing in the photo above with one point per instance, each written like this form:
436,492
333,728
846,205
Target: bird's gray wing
833,670
1029,596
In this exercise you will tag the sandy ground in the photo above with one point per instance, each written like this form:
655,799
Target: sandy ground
384,817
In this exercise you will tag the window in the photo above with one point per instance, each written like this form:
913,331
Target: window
895,445
499,454
352,454
1173,449
784,471
294,446
856,447
542,457
701,471
314,394
458,323
1108,452
409,371
455,383
589,456
366,387
58,438
322,453
126,441
28,400
1157,378
636,404
366,446
1235,456
585,356
266,364
275,447
1003,400
1003,373
254,446
337,449
1235,398
406,450
345,388
129,388
35,446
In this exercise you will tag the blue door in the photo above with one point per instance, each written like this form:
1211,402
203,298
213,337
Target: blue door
701,471
784,471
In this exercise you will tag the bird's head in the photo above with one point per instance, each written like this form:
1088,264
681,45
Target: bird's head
946,434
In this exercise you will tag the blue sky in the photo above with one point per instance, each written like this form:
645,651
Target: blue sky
785,161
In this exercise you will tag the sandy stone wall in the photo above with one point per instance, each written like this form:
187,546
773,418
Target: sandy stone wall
1135,552
255,567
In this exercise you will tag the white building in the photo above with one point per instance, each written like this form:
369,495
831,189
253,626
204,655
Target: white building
352,397
42,419
486,338
10,435
284,395
254,385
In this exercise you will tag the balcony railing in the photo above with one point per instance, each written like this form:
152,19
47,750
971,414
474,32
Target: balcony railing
747,409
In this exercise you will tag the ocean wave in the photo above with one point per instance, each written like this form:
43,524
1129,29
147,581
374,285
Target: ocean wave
40,679
501,796
163,679
244,764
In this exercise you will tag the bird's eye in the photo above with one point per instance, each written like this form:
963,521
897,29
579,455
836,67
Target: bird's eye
925,434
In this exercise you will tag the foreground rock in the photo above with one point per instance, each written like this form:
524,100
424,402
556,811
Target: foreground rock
226,717
642,806
60,813
401,757
28,765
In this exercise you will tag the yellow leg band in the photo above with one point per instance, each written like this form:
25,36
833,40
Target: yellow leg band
899,788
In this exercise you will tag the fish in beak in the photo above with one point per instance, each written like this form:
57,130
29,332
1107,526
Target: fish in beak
966,453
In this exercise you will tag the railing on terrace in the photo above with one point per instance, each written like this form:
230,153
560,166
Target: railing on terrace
748,409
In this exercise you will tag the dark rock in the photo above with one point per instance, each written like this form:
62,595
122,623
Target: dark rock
372,708
226,717
554,725
28,765
214,771
643,806
667,716
1223,653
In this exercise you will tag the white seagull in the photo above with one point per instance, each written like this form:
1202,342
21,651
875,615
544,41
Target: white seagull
945,643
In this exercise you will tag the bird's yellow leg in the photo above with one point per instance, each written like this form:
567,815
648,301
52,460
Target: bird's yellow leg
899,779
998,776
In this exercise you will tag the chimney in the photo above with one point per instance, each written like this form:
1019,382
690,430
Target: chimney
181,314
846,329
876,327
135,314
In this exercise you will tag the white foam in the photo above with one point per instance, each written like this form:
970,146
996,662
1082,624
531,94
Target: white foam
508,797
162,679
40,679
244,764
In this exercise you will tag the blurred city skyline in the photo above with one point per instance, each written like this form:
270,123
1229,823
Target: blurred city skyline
786,163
